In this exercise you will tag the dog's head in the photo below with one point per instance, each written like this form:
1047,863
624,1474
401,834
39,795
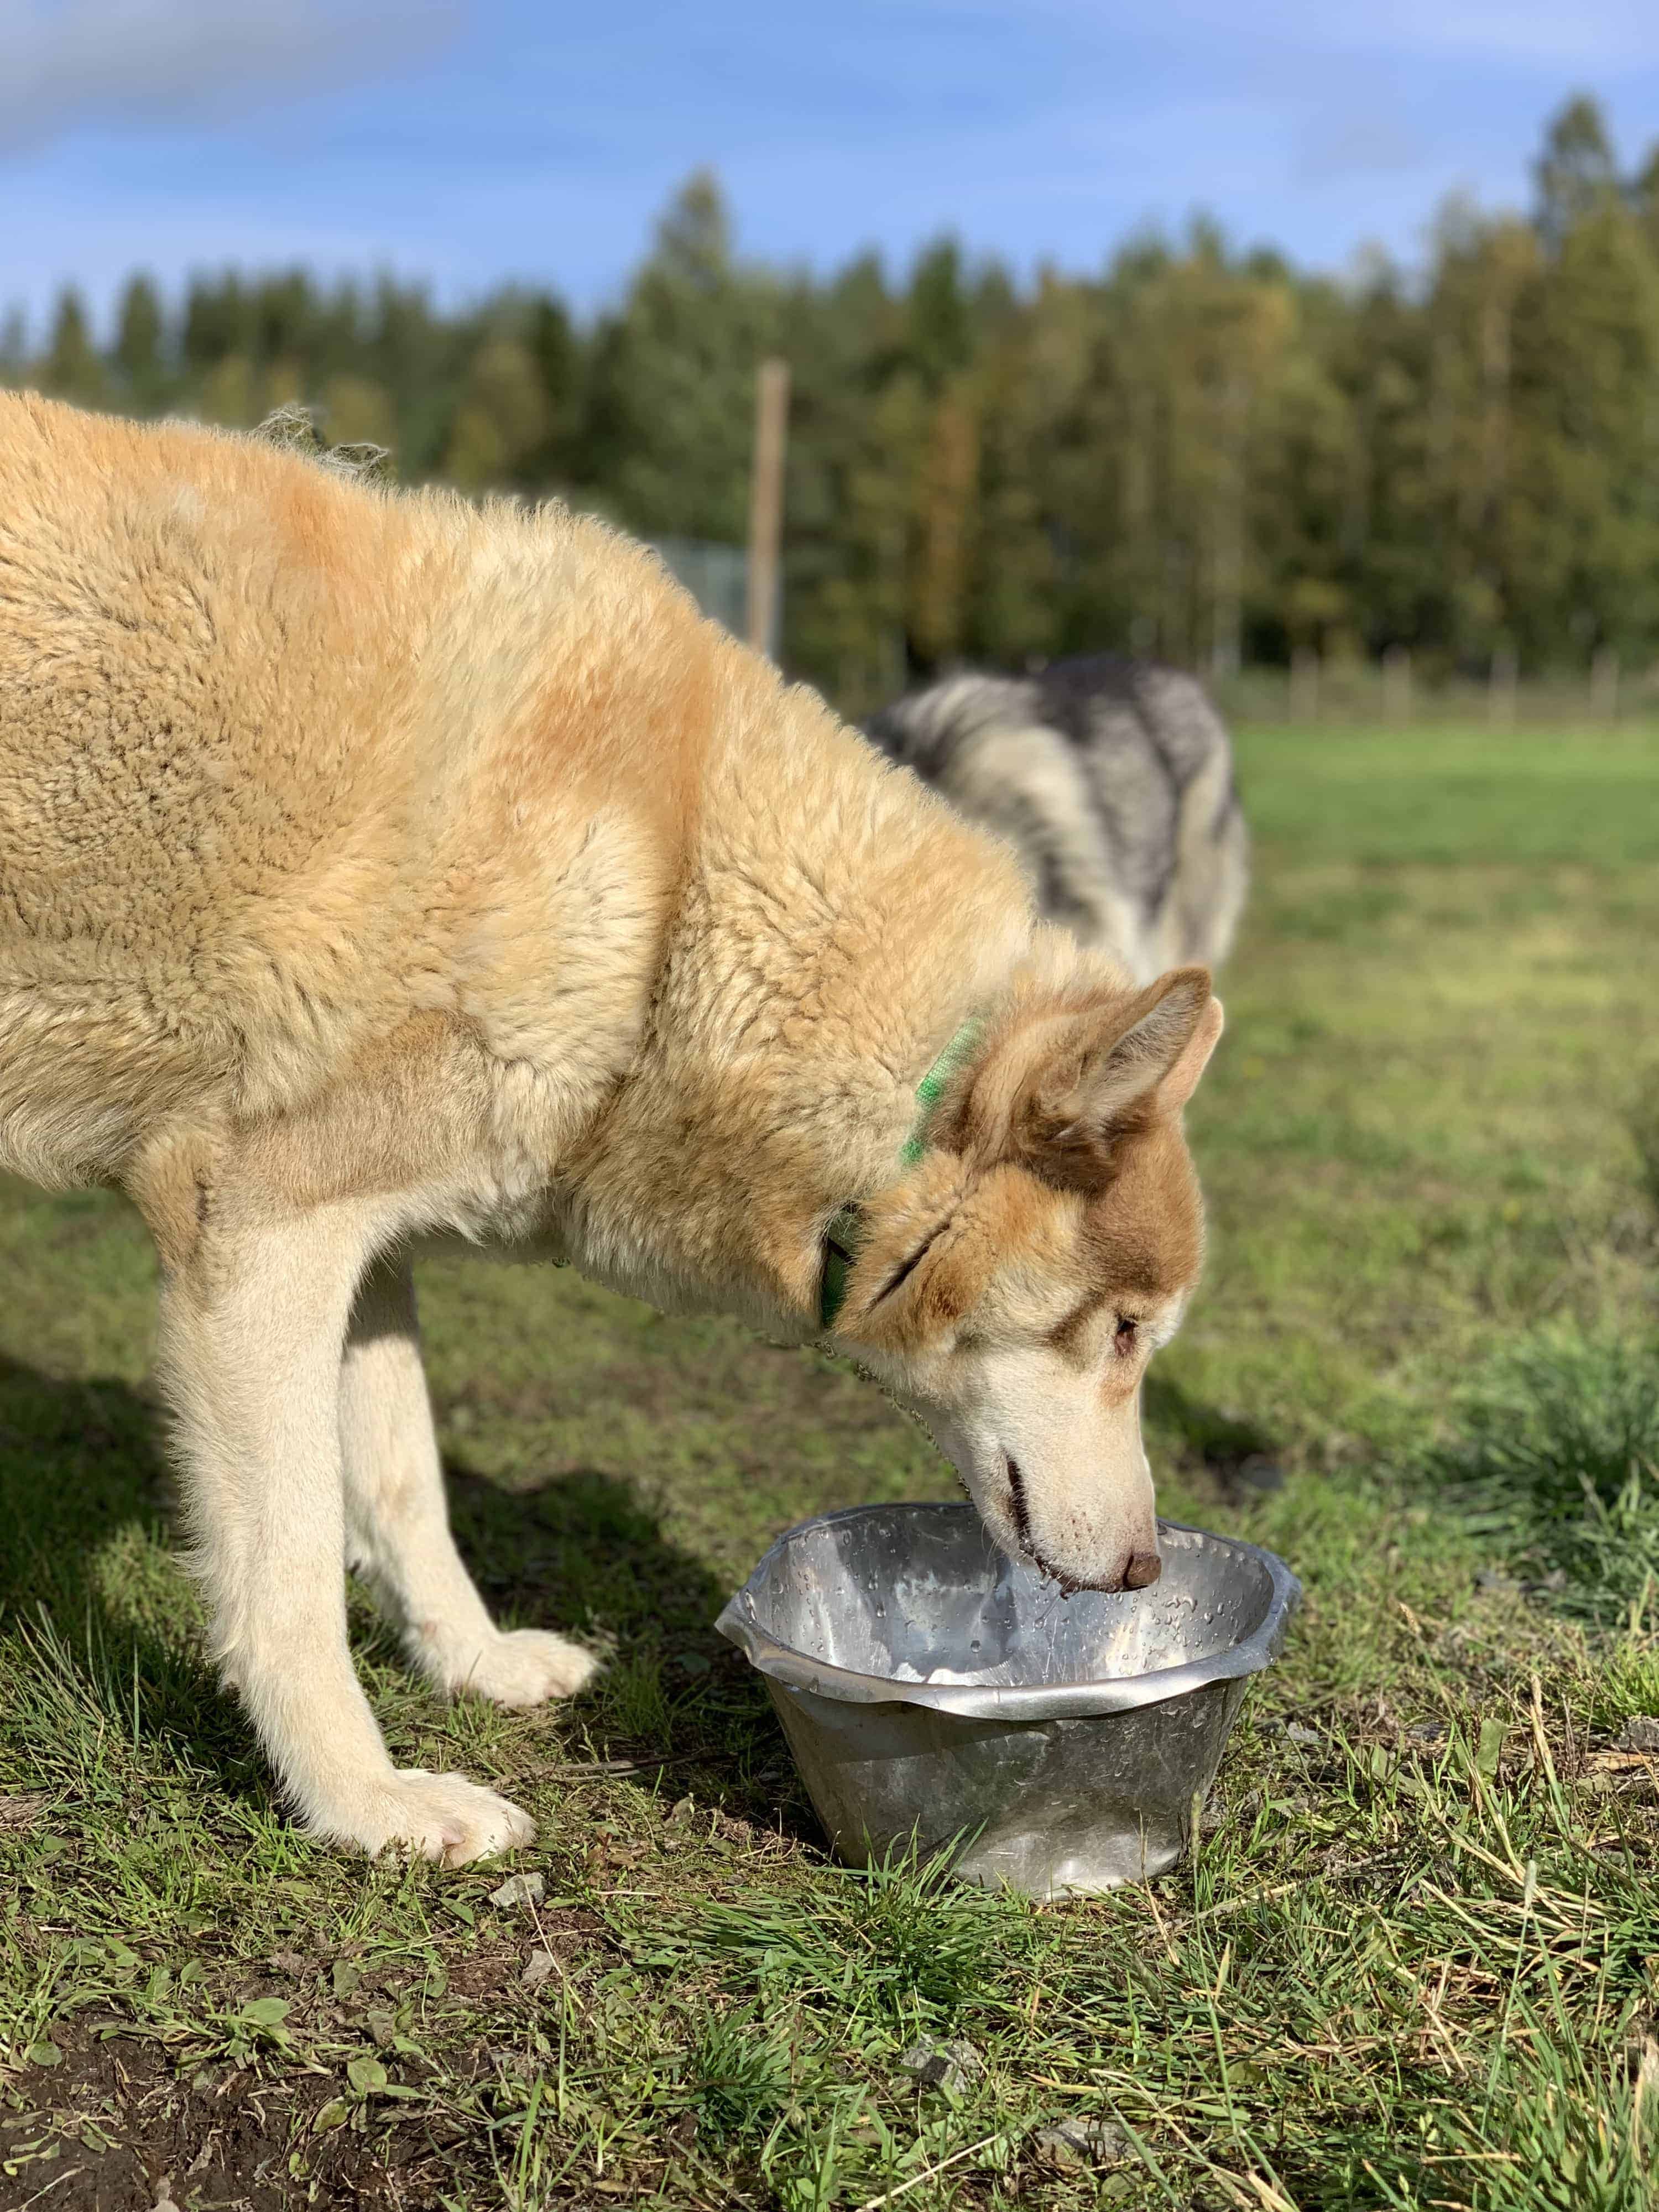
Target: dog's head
1011,1289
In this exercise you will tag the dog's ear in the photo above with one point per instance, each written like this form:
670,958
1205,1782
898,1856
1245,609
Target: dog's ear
1179,1085
1064,1088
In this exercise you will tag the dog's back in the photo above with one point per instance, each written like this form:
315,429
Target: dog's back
265,736
1113,779
146,575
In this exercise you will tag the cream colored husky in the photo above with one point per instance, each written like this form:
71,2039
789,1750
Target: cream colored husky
375,869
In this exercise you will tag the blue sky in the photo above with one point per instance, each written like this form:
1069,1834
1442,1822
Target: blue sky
473,140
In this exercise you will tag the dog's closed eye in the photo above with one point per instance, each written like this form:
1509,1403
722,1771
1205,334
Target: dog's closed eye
1125,1336
903,1274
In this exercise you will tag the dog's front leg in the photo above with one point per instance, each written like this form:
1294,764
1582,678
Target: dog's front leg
397,1527
254,1324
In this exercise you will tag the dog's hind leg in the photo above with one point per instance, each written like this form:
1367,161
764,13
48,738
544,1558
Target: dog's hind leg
397,1525
254,1323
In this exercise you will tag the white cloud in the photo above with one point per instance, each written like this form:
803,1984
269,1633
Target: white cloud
161,62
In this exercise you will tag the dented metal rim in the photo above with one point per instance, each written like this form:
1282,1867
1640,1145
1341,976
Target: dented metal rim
740,1624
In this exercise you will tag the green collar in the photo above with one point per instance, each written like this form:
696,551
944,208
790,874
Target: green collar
842,1239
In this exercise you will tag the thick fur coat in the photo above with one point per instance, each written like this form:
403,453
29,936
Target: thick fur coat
377,869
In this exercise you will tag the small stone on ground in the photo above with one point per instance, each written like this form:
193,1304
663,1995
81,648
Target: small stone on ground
537,1967
943,2065
518,1889
1639,1732
1081,2142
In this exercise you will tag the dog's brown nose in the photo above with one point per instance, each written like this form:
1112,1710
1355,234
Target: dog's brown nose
1142,1571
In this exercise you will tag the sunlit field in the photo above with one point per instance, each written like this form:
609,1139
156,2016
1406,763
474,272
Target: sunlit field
1413,1961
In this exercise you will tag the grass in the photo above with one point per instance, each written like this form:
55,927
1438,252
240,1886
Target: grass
1415,1962
1556,1454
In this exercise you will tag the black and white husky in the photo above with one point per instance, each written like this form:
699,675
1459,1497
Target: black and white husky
1113,779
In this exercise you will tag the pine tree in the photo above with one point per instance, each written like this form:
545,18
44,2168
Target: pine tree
1644,198
1576,172
681,366
946,514
138,339
13,347
554,347
72,369
1196,452
940,330
1588,364
503,419
216,320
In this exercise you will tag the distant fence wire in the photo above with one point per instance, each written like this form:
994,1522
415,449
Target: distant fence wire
1368,693
717,577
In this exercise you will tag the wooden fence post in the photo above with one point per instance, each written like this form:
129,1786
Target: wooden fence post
766,501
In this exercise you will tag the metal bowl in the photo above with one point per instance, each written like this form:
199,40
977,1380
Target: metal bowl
935,1693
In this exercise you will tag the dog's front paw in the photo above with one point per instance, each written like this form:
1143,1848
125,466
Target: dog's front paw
428,1816
523,1667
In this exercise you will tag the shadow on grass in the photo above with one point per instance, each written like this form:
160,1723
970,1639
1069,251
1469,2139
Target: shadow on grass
1235,1453
101,1627
88,1587
584,1553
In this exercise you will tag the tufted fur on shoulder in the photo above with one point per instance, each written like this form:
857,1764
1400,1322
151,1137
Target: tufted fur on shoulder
377,868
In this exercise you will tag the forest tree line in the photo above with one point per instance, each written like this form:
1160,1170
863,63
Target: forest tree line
1200,453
